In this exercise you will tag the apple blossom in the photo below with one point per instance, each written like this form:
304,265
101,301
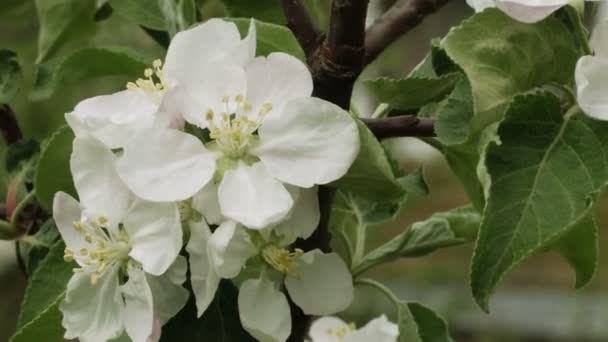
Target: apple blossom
265,131
331,329
528,11
592,76
129,274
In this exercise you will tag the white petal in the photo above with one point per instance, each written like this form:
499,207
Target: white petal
203,278
207,203
313,142
592,86
93,312
251,196
99,188
66,211
303,218
321,285
139,307
169,113
168,294
480,5
211,42
229,248
599,39
276,79
166,165
530,11
155,232
115,118
377,330
324,329
264,311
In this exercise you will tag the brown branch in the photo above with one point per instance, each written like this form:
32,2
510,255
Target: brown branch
398,20
300,23
401,126
8,125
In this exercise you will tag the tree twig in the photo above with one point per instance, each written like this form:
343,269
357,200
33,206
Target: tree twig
398,20
8,125
300,23
401,126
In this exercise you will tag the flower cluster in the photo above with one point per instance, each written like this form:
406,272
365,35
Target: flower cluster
220,147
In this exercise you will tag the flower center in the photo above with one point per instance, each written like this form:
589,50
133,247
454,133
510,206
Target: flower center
103,247
233,130
341,333
281,259
153,79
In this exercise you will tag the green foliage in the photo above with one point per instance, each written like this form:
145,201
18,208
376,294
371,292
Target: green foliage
543,173
10,75
40,317
146,13
53,170
271,38
219,323
62,21
20,153
86,64
580,247
264,10
431,327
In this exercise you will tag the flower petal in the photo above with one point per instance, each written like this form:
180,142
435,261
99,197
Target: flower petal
599,38
276,79
324,329
99,188
313,142
264,311
378,330
93,312
203,278
592,86
207,203
167,291
229,248
530,11
303,218
251,196
66,211
155,232
480,5
166,165
139,307
114,119
321,285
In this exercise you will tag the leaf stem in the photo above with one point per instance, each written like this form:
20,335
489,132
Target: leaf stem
21,206
580,31
388,293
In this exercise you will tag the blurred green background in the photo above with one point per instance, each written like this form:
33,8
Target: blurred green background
535,303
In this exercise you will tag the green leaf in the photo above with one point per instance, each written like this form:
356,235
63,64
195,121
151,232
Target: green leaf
265,10
219,323
53,170
271,37
62,21
454,115
40,317
431,327
179,14
543,174
408,329
441,230
47,236
414,183
11,75
502,57
86,64
146,13
413,92
20,153
372,174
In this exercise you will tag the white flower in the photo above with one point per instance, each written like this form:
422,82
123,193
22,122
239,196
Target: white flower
331,329
265,130
592,76
114,237
528,11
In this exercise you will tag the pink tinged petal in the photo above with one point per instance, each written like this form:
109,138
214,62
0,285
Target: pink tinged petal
229,248
324,328
592,86
139,307
203,277
166,165
206,202
276,80
530,11
99,187
377,330
321,284
115,118
264,311
155,233
313,142
66,211
93,312
251,196
167,291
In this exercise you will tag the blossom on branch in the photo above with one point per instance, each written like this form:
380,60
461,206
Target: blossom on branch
331,329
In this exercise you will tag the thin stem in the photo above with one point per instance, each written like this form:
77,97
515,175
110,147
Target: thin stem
580,31
380,287
29,239
401,126
7,231
359,244
21,206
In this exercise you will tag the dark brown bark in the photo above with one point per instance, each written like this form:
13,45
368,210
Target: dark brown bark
299,21
401,126
8,125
